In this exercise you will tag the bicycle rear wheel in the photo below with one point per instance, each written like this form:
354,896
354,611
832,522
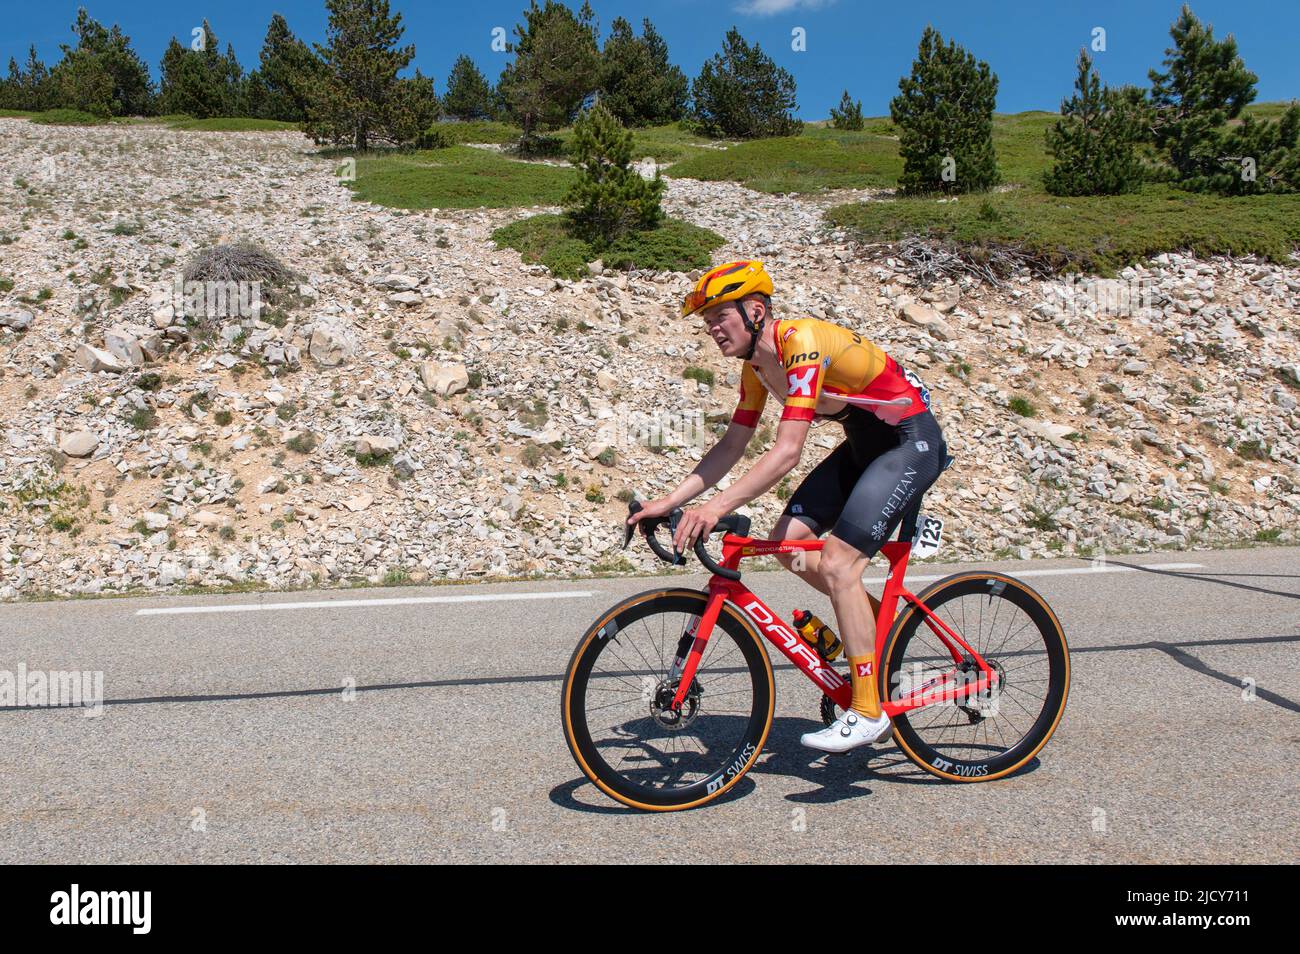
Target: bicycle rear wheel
617,721
990,735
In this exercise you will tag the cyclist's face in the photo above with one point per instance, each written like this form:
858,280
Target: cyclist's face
726,329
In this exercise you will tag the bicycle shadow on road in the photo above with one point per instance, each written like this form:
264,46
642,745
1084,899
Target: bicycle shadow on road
565,796
841,777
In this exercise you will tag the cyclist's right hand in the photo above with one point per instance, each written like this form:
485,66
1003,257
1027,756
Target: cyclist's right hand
651,509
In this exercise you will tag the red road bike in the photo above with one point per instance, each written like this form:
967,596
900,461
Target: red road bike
669,697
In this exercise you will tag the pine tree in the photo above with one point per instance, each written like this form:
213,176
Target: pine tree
415,107
742,93
232,84
672,88
287,71
944,114
361,99
555,68
201,83
81,82
638,84
1205,84
11,87
469,94
35,91
101,74
610,198
1256,156
1095,141
849,115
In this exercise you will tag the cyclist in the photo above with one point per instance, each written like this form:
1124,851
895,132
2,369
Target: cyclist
892,452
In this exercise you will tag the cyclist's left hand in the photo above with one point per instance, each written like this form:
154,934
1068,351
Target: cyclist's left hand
696,522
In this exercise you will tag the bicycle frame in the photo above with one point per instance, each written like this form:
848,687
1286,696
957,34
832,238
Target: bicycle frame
949,687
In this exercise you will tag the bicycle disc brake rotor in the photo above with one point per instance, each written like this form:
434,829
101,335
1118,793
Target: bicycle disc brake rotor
661,704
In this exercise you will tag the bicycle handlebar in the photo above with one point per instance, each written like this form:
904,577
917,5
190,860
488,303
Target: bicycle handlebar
731,523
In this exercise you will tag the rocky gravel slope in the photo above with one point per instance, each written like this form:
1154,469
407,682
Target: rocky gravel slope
423,406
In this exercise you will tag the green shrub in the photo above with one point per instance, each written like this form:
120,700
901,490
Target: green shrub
67,117
1252,450
436,137
703,375
142,419
1021,406
676,246
303,442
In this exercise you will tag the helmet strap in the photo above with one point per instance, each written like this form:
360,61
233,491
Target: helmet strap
753,329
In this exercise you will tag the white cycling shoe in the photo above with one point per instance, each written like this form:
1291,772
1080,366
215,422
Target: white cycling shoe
849,731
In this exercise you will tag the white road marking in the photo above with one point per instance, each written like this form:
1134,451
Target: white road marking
384,601
1068,571
582,594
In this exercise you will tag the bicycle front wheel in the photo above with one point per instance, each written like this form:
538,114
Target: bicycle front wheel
619,725
988,735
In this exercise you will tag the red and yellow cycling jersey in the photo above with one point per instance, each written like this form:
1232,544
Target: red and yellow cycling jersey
824,360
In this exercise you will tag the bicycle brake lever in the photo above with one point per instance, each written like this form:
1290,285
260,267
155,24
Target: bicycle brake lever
630,528
673,519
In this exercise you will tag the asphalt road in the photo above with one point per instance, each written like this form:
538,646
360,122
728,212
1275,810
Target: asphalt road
229,734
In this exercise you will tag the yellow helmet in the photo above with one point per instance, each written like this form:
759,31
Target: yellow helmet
728,282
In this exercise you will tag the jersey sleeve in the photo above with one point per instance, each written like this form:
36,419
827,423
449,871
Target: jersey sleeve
804,372
751,399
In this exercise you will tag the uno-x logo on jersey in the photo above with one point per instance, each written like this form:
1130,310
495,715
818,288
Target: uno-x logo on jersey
801,382
865,669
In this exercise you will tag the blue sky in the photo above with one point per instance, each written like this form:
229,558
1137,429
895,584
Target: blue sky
864,45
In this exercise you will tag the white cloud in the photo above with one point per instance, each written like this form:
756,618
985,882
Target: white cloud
769,8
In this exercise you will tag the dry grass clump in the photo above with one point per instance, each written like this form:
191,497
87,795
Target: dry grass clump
238,262
236,281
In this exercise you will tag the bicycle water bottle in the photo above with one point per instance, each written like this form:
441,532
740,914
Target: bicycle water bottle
817,634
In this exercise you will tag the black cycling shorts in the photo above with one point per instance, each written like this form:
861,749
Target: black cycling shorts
863,487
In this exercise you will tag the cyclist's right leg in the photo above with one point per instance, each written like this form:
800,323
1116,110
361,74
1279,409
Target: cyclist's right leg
803,563
814,508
